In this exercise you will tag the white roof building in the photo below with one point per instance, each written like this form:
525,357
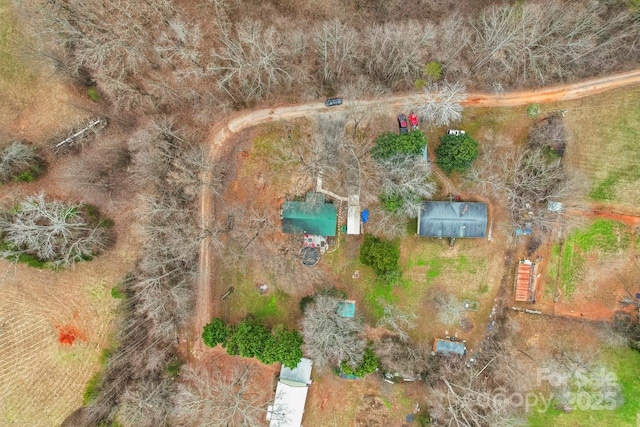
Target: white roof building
353,215
291,394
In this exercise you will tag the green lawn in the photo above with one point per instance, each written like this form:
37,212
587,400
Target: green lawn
15,77
605,134
601,238
272,308
626,365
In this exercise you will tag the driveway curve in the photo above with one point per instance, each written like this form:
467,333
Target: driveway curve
206,307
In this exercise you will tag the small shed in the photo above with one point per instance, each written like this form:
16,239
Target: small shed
310,217
291,395
525,282
448,347
346,308
353,215
452,219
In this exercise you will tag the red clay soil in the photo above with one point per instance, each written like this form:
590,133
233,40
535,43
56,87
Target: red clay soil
68,334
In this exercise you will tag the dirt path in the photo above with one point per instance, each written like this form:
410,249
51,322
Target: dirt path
206,307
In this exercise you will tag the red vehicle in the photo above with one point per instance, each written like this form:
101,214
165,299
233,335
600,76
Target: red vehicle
413,119
402,123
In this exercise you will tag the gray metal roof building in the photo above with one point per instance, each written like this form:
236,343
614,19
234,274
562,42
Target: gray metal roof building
452,219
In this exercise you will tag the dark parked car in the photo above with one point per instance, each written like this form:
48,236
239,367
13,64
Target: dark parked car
402,122
333,101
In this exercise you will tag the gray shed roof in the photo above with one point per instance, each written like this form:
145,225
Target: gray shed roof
446,347
452,219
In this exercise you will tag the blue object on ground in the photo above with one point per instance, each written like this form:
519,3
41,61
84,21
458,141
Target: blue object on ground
365,215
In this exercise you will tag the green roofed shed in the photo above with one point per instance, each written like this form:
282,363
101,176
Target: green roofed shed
310,218
346,308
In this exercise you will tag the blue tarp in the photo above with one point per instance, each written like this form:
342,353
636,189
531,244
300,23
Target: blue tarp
365,215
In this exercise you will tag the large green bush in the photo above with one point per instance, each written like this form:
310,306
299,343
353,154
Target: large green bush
382,256
215,332
249,339
456,152
369,364
252,339
391,144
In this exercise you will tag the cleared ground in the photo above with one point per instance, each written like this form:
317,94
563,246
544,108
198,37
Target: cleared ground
53,325
605,131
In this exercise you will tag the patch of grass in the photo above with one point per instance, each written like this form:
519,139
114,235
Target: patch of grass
604,190
94,94
272,308
173,368
435,268
116,293
602,237
92,389
376,295
552,270
608,152
13,72
483,289
625,362
268,309
572,268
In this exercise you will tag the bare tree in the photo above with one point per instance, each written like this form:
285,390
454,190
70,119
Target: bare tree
16,158
450,309
402,357
397,320
330,338
52,231
335,45
407,178
466,395
533,182
144,403
395,52
386,224
251,61
540,41
210,398
440,103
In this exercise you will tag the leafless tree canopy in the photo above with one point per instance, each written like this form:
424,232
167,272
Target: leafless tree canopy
207,397
440,104
57,233
529,177
402,357
547,40
407,177
160,290
154,55
450,309
397,320
17,157
330,338
466,396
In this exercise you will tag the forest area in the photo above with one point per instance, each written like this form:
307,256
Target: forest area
165,71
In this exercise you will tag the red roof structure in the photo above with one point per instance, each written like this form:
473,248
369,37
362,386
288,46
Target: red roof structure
525,285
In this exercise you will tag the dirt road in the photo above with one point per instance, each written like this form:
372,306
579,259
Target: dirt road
206,307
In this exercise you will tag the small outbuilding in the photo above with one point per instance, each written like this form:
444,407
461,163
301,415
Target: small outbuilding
449,347
525,282
346,308
291,395
452,219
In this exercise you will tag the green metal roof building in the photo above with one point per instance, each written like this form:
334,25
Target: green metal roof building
301,217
